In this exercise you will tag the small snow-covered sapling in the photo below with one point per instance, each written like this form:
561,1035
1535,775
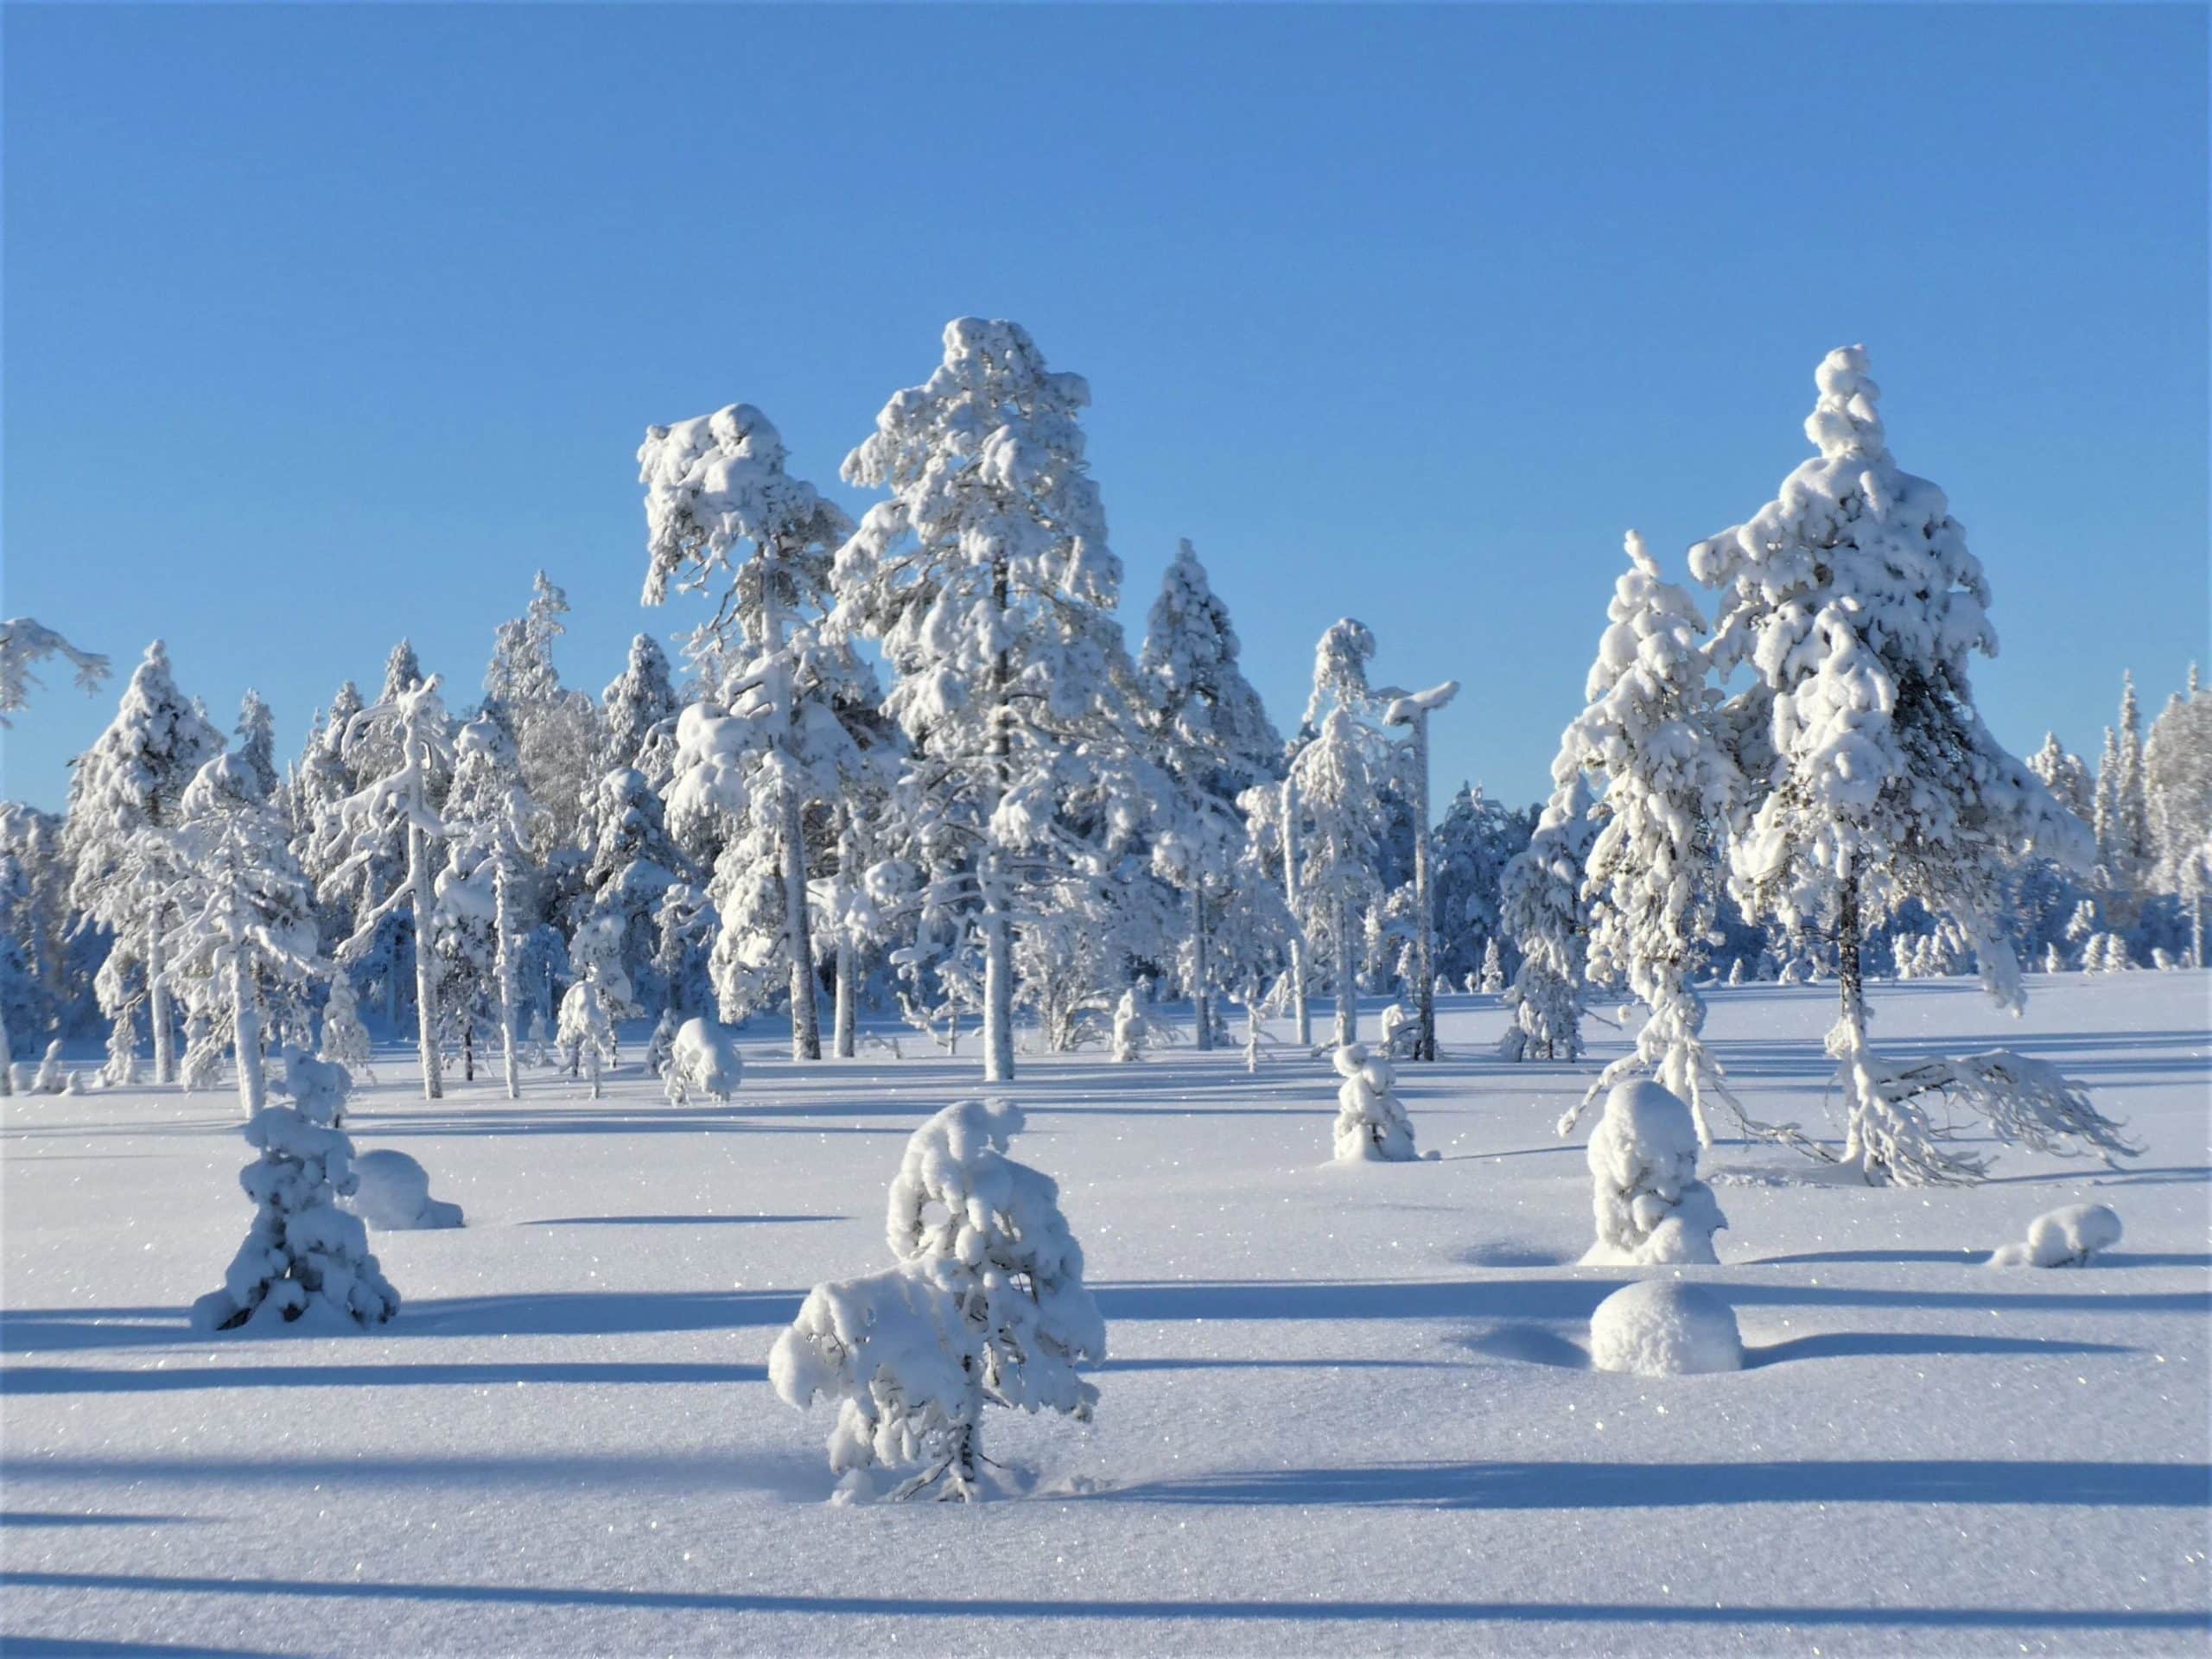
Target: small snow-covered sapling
1131,1031
1650,1207
703,1060
1371,1123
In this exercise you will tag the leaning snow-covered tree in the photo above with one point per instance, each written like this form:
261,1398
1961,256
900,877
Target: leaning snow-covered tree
305,1258
243,916
987,583
1854,601
1216,741
987,1305
1540,907
131,781
25,642
412,734
792,730
1653,737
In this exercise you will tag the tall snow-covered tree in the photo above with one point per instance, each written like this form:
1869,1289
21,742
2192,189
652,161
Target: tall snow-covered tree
1541,910
988,581
1654,874
25,642
401,804
1336,850
793,732
638,702
242,915
2178,778
2131,805
1216,742
555,729
486,892
1470,848
132,781
1855,602
632,862
2066,775
256,747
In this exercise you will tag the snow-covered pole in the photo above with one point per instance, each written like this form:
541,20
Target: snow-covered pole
1298,1005
1413,712
1201,992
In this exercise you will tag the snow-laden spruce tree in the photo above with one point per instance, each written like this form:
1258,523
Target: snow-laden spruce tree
322,780
1216,741
304,1258
1372,1127
1133,1031
2177,781
256,748
411,733
1492,979
793,730
242,920
1469,849
1854,601
555,729
631,863
987,1305
1651,1208
987,580
129,783
1540,908
639,701
25,642
484,893
1654,737
1336,854
345,1039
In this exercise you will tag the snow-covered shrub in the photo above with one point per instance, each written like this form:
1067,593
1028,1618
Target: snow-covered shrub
704,1060
75,1085
393,1194
52,1076
662,1044
1663,1327
2064,1238
1132,1030
319,1088
1371,1123
1650,1206
987,1305
586,1035
1910,1112
1400,1031
304,1256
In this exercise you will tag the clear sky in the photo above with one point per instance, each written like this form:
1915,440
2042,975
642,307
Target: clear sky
329,325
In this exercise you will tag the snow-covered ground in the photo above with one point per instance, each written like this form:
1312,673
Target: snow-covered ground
1348,1408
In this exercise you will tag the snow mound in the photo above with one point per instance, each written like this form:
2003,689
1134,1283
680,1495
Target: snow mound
2064,1238
1660,1327
394,1195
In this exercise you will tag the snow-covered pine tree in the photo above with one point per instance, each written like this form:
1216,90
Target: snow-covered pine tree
1469,849
1216,741
633,861
345,1039
1540,908
636,702
484,893
1854,599
242,915
556,730
799,736
1337,850
2131,805
2066,775
129,782
988,581
1493,971
1653,736
1651,1209
2178,782
586,1034
25,642
304,1256
256,748
1372,1122
408,733
987,1305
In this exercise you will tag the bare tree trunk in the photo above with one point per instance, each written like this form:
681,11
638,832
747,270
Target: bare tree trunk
1424,923
848,994
7,1058
504,965
1848,1040
1201,992
246,1032
426,996
1299,1009
158,997
806,1019
998,933
1347,977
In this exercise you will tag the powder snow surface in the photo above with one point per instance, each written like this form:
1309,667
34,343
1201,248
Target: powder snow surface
1347,1410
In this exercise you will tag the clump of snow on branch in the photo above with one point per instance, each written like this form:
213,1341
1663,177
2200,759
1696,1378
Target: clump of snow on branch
1910,1114
24,643
2069,1237
1651,1209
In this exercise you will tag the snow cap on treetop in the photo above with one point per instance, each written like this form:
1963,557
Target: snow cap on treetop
1844,422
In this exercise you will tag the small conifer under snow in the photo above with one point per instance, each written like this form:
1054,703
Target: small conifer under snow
1371,1123
2068,1237
987,1305
304,1257
1651,1208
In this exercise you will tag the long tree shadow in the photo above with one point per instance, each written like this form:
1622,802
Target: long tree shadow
39,1518
1303,1614
73,1647
797,1475
80,1379
676,1221
1977,1258
1691,1485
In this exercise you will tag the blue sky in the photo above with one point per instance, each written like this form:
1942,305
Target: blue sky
326,325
